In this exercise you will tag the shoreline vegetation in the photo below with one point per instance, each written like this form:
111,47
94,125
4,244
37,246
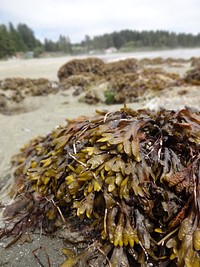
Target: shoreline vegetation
20,41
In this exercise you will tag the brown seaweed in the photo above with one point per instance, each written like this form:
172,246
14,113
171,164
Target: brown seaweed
193,75
127,181
90,65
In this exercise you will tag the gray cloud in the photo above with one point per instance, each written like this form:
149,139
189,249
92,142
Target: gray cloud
76,18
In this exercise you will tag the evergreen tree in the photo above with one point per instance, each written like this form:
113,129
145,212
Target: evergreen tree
7,47
27,37
64,44
18,43
22,39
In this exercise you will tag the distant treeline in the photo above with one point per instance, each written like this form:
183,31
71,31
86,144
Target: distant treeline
22,39
13,40
136,39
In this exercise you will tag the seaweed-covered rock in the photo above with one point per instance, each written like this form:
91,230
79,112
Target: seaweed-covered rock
127,181
134,86
81,66
3,103
24,87
96,66
193,76
79,83
96,94
14,90
128,79
152,61
195,61
78,80
161,61
121,67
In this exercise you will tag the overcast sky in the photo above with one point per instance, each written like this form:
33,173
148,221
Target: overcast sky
76,18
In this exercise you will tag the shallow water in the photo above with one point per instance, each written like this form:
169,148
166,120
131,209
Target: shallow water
174,53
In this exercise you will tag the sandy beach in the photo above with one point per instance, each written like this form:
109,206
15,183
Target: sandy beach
41,114
48,67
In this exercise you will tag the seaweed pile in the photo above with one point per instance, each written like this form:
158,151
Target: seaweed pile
81,66
82,74
96,66
15,89
127,182
121,67
193,75
131,87
90,73
161,61
80,82
121,81
195,61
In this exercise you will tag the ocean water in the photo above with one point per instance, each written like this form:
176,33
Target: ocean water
174,53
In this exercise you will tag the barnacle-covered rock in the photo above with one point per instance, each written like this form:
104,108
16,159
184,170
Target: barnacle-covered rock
127,180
